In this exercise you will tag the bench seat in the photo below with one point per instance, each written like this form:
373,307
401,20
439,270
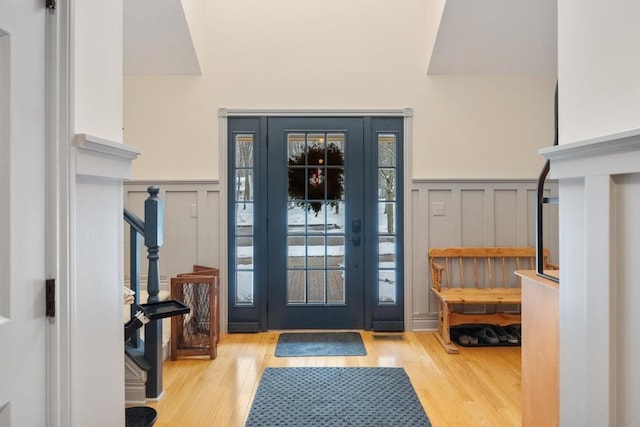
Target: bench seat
478,276
480,296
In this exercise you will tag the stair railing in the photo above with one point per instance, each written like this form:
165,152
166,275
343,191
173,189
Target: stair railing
541,201
151,230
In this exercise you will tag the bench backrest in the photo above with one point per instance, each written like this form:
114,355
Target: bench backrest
480,267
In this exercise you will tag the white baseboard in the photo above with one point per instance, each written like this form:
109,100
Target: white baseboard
135,380
424,325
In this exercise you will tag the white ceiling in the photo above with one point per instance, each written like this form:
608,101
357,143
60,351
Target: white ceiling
497,37
157,38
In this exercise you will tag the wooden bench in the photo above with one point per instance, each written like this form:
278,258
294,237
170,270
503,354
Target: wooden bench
478,276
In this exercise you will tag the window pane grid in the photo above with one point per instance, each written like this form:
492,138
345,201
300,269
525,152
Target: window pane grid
387,218
315,232
244,221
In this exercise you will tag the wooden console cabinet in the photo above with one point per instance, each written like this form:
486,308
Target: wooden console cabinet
540,350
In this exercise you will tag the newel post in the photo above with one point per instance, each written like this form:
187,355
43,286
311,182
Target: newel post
153,330
153,218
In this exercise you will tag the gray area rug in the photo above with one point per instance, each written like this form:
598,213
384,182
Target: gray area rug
336,397
320,344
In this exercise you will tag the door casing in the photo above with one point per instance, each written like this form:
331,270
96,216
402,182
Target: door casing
223,134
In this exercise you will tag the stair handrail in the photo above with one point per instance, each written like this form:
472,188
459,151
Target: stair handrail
134,221
541,200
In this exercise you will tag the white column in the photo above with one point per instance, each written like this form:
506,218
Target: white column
95,288
597,385
599,308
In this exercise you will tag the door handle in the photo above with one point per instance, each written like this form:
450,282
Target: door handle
356,227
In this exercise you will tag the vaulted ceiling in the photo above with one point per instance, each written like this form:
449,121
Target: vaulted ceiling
475,37
157,39
496,37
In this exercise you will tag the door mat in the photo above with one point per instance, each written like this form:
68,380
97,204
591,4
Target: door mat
336,397
310,344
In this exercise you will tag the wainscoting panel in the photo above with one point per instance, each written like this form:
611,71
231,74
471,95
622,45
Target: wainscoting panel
471,213
443,213
181,212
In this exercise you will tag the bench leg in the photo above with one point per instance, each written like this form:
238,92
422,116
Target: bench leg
443,334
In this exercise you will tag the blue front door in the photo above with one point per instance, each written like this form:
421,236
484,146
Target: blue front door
316,277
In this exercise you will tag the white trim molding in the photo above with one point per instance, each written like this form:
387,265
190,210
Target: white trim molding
5,172
613,154
103,158
407,150
310,112
60,216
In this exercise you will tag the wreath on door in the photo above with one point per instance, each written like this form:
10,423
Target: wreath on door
320,177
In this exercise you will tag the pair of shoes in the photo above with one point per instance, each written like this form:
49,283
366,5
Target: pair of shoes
473,339
500,333
466,337
488,335
463,339
505,336
515,331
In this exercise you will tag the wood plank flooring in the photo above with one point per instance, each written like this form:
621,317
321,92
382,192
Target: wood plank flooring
478,387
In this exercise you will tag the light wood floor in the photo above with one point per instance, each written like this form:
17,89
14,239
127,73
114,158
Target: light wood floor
478,387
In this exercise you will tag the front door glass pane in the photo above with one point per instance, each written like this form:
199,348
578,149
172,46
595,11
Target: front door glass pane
386,150
316,286
244,185
387,218
335,218
315,218
244,287
316,251
244,253
295,251
244,208
244,151
297,286
244,219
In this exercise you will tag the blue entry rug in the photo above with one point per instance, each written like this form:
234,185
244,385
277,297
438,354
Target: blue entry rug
336,397
320,344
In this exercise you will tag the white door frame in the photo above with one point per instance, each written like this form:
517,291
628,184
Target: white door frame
406,113
59,250
5,174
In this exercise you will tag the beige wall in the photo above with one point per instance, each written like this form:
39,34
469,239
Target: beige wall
342,55
599,62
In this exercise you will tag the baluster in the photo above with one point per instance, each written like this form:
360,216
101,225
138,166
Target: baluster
134,277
